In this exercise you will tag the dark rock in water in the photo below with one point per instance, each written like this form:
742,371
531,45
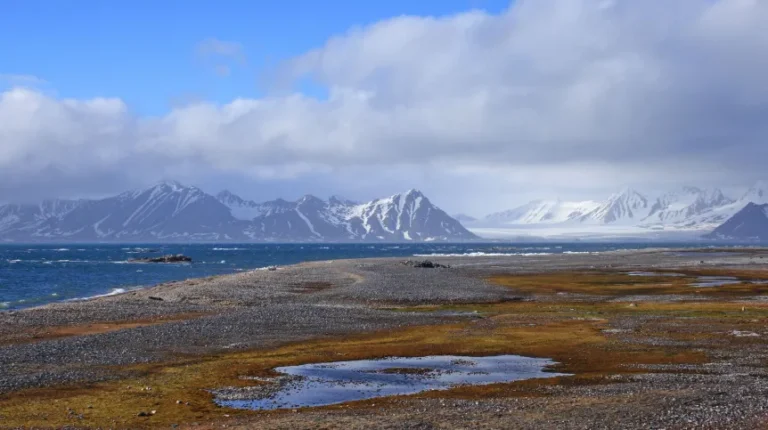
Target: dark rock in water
425,264
178,258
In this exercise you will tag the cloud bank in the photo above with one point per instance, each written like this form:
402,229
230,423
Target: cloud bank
569,96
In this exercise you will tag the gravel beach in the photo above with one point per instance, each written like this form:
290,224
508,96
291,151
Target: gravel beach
108,340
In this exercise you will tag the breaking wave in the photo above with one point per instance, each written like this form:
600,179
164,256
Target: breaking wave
114,292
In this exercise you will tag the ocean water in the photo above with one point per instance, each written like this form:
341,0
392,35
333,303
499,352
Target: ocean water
32,275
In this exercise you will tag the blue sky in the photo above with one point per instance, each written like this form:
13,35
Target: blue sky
146,52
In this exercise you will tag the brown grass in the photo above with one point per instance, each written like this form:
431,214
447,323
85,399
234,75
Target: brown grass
578,345
569,333
621,284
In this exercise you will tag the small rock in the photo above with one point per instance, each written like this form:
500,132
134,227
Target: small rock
142,414
156,298
425,264
178,258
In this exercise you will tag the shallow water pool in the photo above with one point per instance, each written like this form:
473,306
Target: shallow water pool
338,382
715,281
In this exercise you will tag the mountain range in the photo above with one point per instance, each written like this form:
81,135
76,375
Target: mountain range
169,211
689,209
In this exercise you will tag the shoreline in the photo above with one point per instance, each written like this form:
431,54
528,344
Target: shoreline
5,306
242,324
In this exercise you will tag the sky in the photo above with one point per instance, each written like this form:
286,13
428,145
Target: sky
481,104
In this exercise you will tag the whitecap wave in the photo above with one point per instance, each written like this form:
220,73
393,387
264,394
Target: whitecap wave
4,305
113,292
228,249
61,249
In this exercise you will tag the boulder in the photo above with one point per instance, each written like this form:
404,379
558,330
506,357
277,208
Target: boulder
425,264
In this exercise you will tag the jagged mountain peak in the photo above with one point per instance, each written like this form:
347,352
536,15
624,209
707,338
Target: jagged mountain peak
757,193
174,186
226,197
541,212
171,211
628,193
625,207
685,205
309,198
337,200
160,188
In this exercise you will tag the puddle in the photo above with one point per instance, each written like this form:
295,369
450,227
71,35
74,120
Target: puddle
715,281
338,382
701,281
704,254
653,274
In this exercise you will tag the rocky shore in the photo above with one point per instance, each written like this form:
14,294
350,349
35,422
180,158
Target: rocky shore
716,379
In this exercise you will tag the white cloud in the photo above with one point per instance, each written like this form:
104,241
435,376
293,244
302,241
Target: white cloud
551,96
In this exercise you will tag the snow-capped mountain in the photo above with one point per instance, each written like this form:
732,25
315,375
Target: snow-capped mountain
687,206
309,218
165,211
409,216
170,211
625,207
542,212
401,217
240,208
717,215
687,211
757,193
750,223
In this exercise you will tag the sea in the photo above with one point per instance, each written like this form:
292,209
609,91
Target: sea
33,275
